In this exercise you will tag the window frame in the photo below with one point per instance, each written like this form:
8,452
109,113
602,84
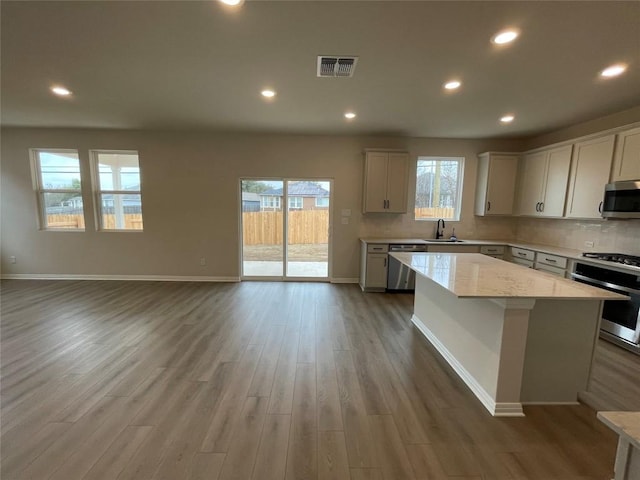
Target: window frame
40,190
460,160
94,156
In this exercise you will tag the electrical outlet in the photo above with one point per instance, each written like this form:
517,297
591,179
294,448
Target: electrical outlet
203,261
12,259
345,220
588,244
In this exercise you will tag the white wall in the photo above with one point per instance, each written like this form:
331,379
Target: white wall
190,199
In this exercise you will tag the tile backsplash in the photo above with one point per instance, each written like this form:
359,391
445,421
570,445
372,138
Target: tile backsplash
404,226
620,236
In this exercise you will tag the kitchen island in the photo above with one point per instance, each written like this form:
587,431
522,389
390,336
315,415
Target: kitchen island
514,335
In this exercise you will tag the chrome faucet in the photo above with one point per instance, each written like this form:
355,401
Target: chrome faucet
439,233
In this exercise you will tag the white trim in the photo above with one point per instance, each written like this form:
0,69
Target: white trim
154,278
344,280
496,409
552,403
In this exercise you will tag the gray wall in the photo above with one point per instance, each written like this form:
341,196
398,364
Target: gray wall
191,201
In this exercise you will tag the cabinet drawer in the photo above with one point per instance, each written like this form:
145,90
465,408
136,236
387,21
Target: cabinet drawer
552,260
522,253
492,250
547,268
377,248
522,261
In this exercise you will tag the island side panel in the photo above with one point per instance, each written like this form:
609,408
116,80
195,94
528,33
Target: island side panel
468,333
560,348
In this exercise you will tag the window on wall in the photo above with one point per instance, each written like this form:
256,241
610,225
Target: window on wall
117,187
295,203
322,201
438,188
269,202
58,184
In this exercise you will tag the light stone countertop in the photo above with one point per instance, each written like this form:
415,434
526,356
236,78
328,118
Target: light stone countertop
625,424
473,275
560,251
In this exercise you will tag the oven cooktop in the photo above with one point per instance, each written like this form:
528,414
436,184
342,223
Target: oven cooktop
630,260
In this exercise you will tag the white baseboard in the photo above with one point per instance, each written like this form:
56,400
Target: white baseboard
344,280
153,278
496,409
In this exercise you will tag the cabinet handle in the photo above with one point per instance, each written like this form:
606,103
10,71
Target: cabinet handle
538,207
488,206
550,260
385,261
542,206
521,254
600,208
388,204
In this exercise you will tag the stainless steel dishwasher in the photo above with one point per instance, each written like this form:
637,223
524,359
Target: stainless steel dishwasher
401,278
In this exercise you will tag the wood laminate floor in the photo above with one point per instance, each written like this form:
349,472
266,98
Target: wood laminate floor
144,380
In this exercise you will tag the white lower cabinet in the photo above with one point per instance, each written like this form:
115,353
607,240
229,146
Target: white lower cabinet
523,256
374,263
495,251
551,264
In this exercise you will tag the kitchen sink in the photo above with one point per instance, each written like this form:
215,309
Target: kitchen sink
443,240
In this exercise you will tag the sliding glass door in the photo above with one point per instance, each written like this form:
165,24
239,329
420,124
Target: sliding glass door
285,228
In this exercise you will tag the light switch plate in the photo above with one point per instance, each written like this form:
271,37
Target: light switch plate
346,212
345,220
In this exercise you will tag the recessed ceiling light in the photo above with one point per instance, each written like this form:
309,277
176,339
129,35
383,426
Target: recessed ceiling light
507,118
613,70
452,85
268,93
506,36
232,3
350,115
61,91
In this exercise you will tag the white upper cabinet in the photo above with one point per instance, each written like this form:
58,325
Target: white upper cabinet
385,182
543,182
590,170
496,183
626,161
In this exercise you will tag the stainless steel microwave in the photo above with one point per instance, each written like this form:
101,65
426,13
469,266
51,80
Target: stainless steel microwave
621,200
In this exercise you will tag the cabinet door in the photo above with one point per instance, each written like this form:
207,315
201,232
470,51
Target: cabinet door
555,185
501,184
375,182
376,276
532,174
626,164
397,178
590,169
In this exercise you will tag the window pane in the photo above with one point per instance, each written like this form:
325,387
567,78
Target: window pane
63,210
119,171
322,201
59,170
121,211
438,188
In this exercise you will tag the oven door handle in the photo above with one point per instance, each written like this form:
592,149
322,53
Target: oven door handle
605,284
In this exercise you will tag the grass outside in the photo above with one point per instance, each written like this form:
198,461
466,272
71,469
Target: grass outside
314,252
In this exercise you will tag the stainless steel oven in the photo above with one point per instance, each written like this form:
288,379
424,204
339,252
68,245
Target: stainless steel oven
620,320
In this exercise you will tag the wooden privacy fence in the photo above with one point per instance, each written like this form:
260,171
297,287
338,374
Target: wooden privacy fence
435,212
305,227
131,221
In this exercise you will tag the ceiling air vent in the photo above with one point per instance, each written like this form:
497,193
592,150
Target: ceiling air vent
336,66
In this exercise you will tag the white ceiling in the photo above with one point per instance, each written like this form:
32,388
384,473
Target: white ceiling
198,65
